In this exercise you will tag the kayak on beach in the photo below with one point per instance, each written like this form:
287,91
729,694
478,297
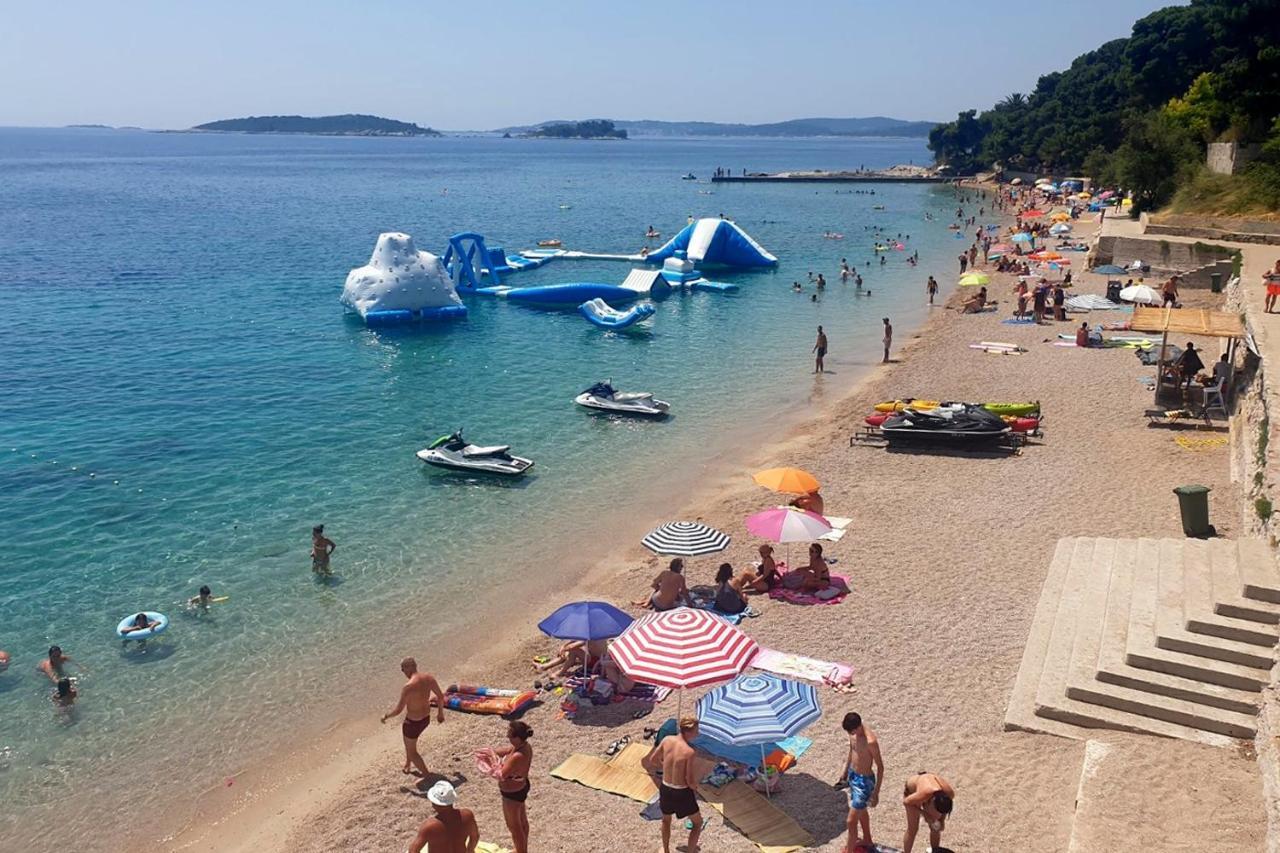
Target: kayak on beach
1015,409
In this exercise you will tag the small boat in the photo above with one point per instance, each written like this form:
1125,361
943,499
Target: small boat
969,426
1015,409
605,397
688,176
652,234
601,314
550,244
452,451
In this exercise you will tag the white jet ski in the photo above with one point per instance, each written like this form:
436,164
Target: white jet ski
452,451
605,397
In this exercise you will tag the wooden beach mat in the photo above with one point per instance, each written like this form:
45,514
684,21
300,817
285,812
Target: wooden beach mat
763,823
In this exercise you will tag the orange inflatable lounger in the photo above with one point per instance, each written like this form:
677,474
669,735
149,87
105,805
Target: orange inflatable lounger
487,700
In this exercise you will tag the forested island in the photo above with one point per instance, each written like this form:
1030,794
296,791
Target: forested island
341,125
796,127
1139,112
598,128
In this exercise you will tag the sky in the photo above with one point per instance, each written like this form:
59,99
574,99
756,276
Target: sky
479,65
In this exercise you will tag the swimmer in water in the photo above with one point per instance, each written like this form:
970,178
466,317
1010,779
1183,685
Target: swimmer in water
64,693
141,622
202,601
4,660
53,665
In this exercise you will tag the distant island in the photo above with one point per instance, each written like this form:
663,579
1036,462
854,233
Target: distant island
598,128
343,125
869,126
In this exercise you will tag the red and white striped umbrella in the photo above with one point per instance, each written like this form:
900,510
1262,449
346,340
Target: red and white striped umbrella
682,648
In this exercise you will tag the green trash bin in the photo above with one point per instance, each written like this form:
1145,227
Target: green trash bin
1193,504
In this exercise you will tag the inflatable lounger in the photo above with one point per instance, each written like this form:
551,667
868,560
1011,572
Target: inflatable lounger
487,700
599,313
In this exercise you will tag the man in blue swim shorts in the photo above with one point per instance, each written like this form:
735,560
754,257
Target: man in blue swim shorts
863,769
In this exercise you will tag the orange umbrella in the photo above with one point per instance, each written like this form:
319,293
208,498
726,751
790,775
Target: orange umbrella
793,481
1060,216
1047,255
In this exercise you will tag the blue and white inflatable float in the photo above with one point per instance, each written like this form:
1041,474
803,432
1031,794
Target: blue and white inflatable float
715,242
401,285
601,314
147,633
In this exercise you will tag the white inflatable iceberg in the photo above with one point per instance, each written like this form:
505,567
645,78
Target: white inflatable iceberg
401,284
715,242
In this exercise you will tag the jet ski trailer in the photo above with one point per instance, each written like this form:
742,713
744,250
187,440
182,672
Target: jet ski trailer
971,426
452,451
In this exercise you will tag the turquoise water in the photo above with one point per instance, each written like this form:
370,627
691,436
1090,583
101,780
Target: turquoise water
182,398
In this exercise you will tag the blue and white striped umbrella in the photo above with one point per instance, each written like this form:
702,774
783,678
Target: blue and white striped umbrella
757,708
685,539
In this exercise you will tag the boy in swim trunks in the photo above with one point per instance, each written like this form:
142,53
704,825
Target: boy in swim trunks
863,770
678,783
415,702
321,548
819,351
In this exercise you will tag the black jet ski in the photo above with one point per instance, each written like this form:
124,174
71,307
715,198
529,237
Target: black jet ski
967,425
452,451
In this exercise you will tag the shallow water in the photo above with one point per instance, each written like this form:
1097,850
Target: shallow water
182,398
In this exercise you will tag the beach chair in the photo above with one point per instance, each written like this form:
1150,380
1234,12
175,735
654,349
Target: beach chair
1213,398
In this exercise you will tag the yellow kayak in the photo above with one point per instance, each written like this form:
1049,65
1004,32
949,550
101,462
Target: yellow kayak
1014,409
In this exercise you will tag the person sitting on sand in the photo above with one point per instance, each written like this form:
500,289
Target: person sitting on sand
766,576
612,672
811,501
928,796
813,578
452,830
974,304
64,693
729,597
141,622
575,656
1082,335
669,589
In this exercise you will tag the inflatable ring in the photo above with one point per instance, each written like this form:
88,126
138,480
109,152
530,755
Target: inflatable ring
142,635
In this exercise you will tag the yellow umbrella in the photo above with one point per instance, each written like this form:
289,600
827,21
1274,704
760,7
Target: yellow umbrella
1060,216
1083,195
1128,202
973,279
793,481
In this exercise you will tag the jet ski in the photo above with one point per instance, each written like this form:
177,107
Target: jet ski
605,397
452,451
970,425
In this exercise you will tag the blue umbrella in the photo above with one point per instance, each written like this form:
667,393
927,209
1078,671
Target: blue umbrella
585,620
758,708
1108,269
1023,237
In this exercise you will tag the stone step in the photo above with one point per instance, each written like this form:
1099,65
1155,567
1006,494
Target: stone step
1083,686
1052,700
1259,572
1200,617
1170,625
1020,714
1228,586
1142,650
1111,666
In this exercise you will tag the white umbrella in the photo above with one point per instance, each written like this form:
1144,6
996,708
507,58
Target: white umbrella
1060,228
1140,293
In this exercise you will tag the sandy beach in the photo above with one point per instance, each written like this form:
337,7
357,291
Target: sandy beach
946,557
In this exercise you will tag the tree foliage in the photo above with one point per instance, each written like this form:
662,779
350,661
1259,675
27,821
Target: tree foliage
1138,110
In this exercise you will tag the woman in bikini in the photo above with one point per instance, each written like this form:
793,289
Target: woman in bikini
513,782
766,576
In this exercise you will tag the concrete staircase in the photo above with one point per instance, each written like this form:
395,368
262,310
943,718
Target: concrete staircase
1171,637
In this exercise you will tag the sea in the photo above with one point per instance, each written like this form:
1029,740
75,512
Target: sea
182,397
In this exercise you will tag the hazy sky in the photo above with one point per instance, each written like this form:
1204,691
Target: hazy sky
478,65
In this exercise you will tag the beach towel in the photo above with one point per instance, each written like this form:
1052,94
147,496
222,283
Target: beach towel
1015,321
640,693
795,596
749,756
837,531
799,666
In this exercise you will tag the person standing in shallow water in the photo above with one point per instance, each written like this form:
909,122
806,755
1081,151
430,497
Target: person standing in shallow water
820,351
931,287
888,339
321,548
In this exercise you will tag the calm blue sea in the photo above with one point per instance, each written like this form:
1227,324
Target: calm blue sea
182,397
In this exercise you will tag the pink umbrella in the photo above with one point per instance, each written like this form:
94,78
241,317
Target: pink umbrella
788,524
1002,247
682,648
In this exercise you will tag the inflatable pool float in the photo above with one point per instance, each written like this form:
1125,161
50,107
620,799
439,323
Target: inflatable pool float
472,699
148,633
601,314
1014,409
550,244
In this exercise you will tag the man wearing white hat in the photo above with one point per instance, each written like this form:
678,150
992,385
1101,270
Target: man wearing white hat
452,830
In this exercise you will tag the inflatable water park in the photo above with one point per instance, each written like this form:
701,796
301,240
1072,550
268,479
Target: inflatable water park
402,284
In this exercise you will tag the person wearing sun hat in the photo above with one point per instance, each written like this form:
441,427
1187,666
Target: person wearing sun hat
452,830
